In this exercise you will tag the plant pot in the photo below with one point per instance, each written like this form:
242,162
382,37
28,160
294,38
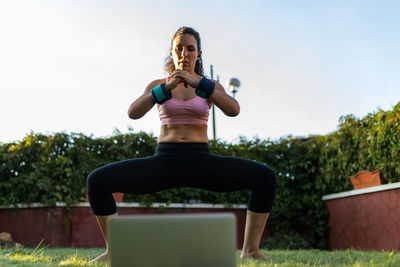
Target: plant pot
365,179
118,197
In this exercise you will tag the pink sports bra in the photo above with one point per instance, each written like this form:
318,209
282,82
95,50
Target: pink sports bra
192,111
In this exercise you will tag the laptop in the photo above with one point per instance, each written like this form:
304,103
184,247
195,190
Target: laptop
179,240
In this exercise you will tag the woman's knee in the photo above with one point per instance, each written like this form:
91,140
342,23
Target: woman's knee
95,181
269,178
263,195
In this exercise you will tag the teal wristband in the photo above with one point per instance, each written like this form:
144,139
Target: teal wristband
160,94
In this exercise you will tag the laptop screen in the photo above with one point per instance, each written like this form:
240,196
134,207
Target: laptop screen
206,239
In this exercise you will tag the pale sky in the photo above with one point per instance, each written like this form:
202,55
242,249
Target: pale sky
76,66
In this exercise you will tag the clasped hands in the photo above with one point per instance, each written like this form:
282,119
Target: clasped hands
181,76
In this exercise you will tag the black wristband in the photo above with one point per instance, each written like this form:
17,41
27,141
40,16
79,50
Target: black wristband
205,88
160,94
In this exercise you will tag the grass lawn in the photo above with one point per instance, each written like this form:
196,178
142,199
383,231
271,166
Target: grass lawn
278,258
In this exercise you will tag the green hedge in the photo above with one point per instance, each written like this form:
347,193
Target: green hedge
50,168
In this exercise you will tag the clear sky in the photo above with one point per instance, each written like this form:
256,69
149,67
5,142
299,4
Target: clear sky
76,66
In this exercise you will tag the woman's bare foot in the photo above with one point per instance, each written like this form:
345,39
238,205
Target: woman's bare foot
102,257
253,255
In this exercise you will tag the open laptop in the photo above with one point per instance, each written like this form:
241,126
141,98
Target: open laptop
206,240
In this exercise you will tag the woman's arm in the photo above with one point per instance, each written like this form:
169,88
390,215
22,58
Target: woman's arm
143,103
223,101
219,97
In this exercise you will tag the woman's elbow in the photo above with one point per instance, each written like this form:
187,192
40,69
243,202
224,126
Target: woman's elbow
134,115
234,112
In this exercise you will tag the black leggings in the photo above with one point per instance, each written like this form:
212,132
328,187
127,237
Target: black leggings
181,165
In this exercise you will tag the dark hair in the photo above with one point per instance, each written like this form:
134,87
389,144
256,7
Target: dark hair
169,64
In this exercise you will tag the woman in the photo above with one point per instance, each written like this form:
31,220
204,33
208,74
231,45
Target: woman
182,156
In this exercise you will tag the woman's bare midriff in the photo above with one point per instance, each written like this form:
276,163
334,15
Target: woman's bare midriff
183,133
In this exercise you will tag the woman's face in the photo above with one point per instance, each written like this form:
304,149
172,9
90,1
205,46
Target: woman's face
184,52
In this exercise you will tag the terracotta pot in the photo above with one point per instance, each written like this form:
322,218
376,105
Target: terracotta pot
365,179
118,197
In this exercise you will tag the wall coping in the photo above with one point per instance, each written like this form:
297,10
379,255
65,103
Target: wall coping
128,205
362,191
